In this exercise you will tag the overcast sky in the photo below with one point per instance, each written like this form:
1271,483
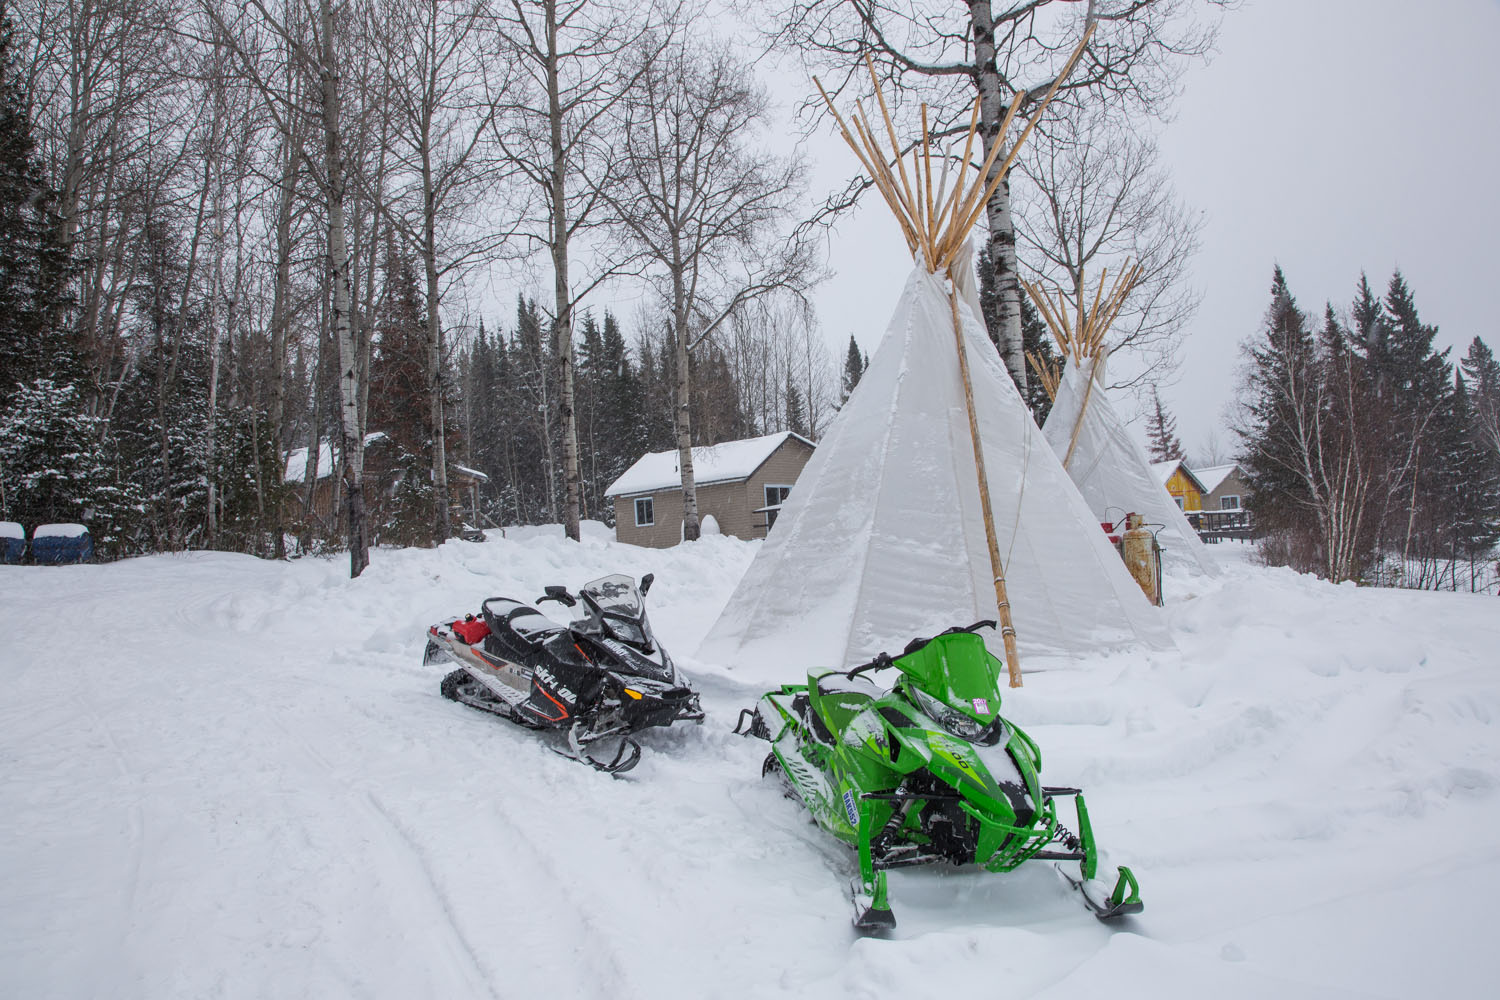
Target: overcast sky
1330,136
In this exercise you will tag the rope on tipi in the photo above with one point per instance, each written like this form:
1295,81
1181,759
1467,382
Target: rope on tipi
936,222
1083,340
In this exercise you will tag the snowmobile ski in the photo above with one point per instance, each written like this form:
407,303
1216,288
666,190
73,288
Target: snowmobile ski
1124,900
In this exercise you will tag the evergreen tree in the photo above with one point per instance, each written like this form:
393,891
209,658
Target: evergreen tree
398,404
537,475
1419,383
1037,341
622,424
1035,338
52,467
855,364
1281,398
34,267
717,413
796,421
1483,373
1161,431
1468,481
1371,334
248,473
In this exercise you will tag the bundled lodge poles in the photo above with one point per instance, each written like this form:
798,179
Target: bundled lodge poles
1083,339
935,223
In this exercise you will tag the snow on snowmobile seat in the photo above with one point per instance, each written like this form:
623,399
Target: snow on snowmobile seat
516,630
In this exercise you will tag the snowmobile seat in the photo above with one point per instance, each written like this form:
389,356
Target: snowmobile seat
516,629
839,698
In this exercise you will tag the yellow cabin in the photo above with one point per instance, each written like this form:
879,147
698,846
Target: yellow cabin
1182,484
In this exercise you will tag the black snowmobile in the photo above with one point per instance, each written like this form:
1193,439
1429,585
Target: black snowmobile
598,678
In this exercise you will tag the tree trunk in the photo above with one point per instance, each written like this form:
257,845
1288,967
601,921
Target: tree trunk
441,526
562,305
338,272
1002,239
281,292
690,523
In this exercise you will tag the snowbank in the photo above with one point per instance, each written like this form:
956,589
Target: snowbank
243,781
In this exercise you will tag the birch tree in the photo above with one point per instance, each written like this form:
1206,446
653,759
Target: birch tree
310,37
556,132
947,53
1098,199
442,103
705,206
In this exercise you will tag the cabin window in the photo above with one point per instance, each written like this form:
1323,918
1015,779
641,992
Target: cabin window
1178,501
645,512
775,497
1230,501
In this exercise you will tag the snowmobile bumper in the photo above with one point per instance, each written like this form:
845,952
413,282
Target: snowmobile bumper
641,708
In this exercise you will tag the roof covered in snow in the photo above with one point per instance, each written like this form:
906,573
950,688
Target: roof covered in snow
296,463
1165,469
296,459
717,463
1213,477
464,470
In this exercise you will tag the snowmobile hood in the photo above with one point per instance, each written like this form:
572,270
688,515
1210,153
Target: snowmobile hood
990,777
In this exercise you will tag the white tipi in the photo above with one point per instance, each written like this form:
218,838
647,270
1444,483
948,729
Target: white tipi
1086,432
888,533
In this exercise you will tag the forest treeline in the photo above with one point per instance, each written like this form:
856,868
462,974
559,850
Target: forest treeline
236,230
1371,455
233,234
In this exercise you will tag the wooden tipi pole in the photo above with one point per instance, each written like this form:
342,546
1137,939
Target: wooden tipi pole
1002,600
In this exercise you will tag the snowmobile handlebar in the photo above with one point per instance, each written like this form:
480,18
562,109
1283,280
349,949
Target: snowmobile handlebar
881,661
559,594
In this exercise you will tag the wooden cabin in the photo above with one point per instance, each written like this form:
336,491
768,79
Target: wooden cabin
1186,489
1225,514
384,464
740,485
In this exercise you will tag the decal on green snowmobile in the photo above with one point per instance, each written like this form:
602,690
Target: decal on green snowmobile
927,771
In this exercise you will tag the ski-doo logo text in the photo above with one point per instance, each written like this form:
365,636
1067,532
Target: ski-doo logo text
545,677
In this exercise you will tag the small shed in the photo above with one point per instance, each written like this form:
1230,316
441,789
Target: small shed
741,484
384,464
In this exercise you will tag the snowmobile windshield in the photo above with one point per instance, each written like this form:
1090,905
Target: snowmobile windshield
957,670
615,595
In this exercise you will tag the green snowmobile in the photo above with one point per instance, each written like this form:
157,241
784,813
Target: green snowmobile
927,771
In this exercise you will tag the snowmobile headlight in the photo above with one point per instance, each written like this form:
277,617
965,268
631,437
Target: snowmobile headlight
954,722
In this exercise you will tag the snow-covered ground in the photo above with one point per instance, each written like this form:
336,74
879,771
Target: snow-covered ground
231,778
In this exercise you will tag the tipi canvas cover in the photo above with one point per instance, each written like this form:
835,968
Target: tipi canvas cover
883,539
1110,469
